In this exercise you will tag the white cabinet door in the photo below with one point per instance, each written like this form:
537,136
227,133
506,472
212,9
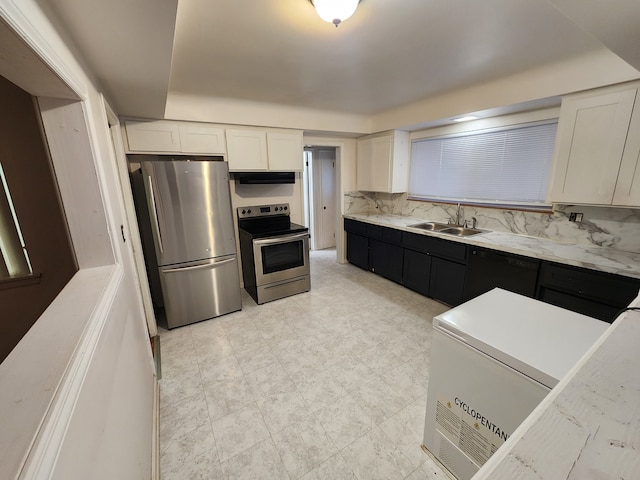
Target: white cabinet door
363,165
152,136
381,158
628,186
590,142
247,150
285,151
383,162
204,139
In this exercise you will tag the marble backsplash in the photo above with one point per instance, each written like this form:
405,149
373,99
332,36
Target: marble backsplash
617,228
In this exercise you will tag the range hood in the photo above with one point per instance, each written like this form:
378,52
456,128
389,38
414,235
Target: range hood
261,178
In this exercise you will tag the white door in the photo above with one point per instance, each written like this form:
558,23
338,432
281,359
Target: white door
324,205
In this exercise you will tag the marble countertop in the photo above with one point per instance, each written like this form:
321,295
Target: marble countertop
589,424
593,257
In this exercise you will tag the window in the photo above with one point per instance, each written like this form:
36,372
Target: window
14,261
506,167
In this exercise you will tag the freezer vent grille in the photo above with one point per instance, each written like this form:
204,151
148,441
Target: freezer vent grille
452,458
447,453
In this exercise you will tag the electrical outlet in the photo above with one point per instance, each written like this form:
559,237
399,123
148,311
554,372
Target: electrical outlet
575,217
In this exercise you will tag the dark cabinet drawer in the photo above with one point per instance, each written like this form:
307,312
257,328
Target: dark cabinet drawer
389,235
420,243
603,287
435,246
577,304
353,226
447,249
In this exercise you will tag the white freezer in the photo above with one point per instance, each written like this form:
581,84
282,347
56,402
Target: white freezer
493,359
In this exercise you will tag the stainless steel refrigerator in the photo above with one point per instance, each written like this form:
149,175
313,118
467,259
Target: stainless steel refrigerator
189,204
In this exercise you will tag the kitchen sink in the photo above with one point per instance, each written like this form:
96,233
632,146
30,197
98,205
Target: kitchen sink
447,228
433,226
461,231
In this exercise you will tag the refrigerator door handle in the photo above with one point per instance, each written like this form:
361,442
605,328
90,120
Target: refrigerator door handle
155,214
199,267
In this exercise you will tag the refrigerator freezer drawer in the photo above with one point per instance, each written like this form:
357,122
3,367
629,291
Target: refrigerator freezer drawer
200,290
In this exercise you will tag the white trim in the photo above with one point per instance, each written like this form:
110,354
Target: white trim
340,146
48,442
35,373
135,243
155,437
32,36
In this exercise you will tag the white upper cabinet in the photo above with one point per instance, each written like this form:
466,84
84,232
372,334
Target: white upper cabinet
627,190
202,138
163,136
152,136
383,162
285,151
256,150
596,154
247,150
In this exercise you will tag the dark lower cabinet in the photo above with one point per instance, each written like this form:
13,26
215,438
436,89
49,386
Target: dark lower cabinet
358,250
416,272
452,273
579,304
386,259
596,294
447,281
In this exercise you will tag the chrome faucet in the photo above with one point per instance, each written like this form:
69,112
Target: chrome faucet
458,216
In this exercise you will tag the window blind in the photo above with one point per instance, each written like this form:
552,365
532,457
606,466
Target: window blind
509,166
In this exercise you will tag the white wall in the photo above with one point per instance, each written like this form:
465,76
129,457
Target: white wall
87,360
583,72
182,106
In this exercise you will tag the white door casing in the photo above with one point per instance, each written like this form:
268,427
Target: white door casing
324,197
130,233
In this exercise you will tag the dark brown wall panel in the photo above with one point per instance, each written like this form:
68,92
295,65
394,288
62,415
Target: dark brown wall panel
33,187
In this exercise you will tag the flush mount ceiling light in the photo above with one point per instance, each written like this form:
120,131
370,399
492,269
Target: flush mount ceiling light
335,11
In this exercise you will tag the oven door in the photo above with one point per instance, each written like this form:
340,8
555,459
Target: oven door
281,257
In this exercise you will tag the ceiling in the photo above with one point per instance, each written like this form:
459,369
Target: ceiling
390,53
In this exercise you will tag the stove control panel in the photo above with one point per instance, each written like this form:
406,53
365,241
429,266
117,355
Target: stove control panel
263,210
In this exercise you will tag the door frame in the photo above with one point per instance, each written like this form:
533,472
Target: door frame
342,159
315,199
135,248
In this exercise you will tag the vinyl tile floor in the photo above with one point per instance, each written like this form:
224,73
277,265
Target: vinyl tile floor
328,384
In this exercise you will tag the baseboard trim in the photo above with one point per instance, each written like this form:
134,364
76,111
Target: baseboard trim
155,440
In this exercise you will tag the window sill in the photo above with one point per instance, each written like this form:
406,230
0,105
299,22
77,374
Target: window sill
22,281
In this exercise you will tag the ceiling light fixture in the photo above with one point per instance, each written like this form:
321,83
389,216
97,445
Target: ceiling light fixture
465,119
335,11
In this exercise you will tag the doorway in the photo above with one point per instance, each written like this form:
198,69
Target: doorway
320,197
